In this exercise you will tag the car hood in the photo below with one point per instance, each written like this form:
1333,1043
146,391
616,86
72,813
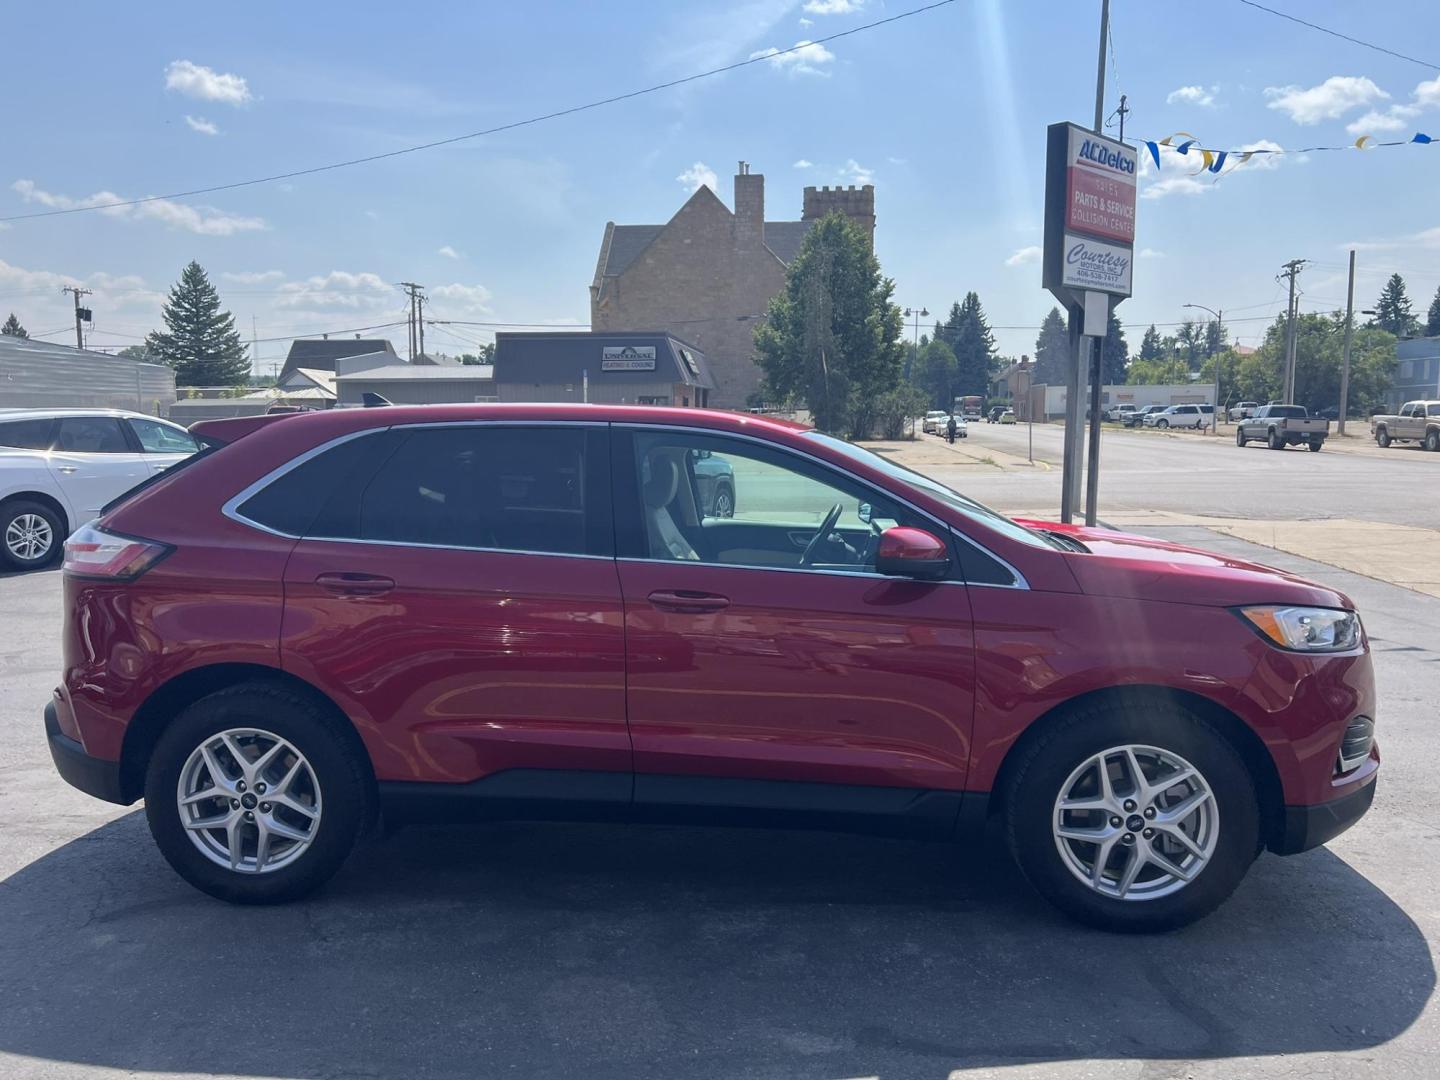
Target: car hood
1143,568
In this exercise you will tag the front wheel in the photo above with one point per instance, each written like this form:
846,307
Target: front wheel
1382,437
1240,439
1132,817
254,795
724,503
1162,423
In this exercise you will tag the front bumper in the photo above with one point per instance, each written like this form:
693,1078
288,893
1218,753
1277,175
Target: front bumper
92,775
1306,827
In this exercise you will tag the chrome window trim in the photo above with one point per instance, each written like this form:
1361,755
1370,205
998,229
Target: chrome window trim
231,507
1019,582
869,574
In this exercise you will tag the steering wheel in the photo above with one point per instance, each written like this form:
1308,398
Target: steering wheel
813,548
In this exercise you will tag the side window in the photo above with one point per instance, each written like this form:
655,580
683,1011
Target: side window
158,438
91,435
708,498
483,486
27,434
290,503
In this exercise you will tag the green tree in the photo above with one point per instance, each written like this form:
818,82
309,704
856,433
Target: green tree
1166,371
1319,348
1392,310
200,341
1188,341
136,352
895,410
13,328
974,347
934,374
1150,344
1052,351
1432,321
1116,357
832,335
486,355
1214,337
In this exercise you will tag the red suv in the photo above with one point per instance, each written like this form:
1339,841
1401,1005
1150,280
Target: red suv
481,611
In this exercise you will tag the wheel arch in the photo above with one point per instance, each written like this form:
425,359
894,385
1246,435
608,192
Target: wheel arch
171,698
1258,760
48,501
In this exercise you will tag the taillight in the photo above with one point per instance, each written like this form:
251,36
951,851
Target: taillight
94,553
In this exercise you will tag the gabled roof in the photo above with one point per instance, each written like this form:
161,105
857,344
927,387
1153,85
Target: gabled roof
321,353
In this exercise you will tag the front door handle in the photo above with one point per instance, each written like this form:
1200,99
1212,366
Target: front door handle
688,601
67,469
351,584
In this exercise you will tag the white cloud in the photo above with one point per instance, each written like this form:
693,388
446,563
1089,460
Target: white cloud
458,299
200,124
449,252
1425,238
806,22
1428,93
699,175
897,160
1185,174
1330,100
205,84
852,172
833,7
1149,253
252,277
805,58
1374,122
1025,256
803,164
372,215
201,220
338,289
1192,95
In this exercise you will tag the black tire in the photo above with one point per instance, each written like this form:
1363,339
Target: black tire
339,768
1275,440
1240,439
18,510
1046,763
724,506
1382,437
1162,424
1314,445
1432,440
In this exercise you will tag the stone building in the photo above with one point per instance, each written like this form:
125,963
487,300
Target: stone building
708,274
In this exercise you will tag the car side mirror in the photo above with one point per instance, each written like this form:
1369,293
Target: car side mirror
912,553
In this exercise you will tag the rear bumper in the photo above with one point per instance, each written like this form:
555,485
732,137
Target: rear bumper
92,775
1306,827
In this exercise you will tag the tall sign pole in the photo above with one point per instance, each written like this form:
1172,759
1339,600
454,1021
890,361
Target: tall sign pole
1345,366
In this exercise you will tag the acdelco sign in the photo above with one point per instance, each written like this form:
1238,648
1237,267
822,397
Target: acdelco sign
1093,150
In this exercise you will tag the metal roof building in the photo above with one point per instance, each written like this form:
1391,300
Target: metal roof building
644,368
37,374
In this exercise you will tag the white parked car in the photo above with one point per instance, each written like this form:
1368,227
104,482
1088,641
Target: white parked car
934,422
1179,416
58,467
1119,412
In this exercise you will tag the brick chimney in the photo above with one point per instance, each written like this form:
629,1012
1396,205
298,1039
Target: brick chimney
749,210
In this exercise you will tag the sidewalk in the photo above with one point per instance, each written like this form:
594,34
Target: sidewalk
928,452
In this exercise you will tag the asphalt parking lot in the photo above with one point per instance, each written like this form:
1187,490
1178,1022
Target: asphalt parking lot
631,952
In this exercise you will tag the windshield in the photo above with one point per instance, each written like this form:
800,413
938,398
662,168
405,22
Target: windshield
975,511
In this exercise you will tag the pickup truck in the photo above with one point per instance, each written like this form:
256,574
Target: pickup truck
1243,411
1418,421
1279,426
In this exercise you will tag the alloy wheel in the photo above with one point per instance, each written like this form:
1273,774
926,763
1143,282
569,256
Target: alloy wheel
28,537
1136,822
249,801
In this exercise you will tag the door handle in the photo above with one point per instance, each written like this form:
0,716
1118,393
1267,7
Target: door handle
688,601
350,584
67,469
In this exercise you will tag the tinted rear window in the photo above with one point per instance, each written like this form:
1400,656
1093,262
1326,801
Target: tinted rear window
290,503
91,435
1287,411
27,434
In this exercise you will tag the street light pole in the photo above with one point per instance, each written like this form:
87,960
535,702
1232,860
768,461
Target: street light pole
1220,320
919,313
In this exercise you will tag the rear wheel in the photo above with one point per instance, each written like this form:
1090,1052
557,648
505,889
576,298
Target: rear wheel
1314,445
1275,440
31,535
1382,437
1133,817
1432,440
724,503
254,796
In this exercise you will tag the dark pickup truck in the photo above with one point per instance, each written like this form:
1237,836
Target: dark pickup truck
1279,426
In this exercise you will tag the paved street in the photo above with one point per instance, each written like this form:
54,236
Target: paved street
612,952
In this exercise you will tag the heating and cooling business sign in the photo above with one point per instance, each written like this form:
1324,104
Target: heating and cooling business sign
627,358
1089,212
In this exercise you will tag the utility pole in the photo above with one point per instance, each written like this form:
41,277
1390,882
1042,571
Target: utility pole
1345,366
82,314
417,334
420,320
1291,270
1120,112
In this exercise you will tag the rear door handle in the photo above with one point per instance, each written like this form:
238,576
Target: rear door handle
350,584
67,469
688,601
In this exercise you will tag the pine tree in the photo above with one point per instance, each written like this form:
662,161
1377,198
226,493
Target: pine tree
934,373
1189,337
1392,310
1052,351
1214,337
200,341
1432,321
1150,348
1117,354
974,347
13,328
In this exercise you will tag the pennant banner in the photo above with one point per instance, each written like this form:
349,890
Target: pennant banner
1182,142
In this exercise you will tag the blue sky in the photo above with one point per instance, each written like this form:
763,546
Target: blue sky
945,113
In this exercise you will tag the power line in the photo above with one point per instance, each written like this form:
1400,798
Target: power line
1343,37
571,111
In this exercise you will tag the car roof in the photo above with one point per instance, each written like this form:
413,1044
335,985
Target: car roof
53,413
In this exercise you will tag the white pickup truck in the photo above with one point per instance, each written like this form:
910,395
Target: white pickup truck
58,467
1417,421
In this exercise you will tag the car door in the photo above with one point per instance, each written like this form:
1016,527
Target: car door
93,461
457,593
751,660
163,444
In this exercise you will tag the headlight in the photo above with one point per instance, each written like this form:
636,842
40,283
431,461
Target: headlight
1306,629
